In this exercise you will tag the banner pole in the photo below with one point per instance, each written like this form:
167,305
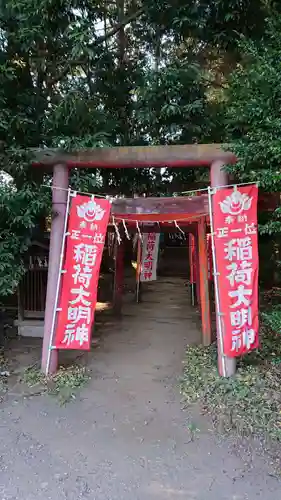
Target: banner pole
216,287
58,283
192,294
139,257
191,267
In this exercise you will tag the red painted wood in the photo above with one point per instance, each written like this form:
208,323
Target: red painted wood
204,283
60,179
226,366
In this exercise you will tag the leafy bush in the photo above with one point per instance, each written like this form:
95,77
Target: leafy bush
272,319
248,403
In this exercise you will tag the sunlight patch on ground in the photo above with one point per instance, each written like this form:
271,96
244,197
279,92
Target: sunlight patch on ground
103,306
160,490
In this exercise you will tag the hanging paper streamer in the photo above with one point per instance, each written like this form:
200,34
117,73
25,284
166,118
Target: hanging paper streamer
126,230
139,231
178,227
116,231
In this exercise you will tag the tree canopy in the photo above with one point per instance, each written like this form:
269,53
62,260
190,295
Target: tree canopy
94,73
253,114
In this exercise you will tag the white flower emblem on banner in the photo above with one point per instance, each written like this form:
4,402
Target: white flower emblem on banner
236,203
90,211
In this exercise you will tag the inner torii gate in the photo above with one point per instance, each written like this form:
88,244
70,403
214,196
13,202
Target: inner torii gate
210,156
189,214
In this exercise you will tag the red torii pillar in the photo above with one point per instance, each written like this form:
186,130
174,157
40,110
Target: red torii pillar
59,198
204,283
226,365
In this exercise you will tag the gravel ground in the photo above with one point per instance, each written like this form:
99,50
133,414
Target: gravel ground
126,437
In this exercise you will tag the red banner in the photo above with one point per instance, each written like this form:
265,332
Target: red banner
150,250
87,226
236,247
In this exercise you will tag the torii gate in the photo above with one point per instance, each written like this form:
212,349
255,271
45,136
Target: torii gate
210,156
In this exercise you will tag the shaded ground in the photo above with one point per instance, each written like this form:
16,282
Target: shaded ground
126,436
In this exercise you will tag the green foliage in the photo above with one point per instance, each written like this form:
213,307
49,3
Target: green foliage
18,211
67,382
253,117
64,384
249,403
172,104
272,320
90,73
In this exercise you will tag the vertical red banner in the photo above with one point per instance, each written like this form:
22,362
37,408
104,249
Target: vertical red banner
150,251
87,227
236,249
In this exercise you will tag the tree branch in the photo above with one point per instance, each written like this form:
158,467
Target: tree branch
115,29
127,20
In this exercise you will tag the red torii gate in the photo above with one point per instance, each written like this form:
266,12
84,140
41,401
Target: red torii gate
211,156
173,213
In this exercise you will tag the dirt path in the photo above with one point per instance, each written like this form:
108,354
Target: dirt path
127,438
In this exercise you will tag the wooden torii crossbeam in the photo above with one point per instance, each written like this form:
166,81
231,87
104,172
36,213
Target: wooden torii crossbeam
195,155
212,156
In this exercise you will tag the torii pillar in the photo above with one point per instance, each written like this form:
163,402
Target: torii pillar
59,199
226,365
202,271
